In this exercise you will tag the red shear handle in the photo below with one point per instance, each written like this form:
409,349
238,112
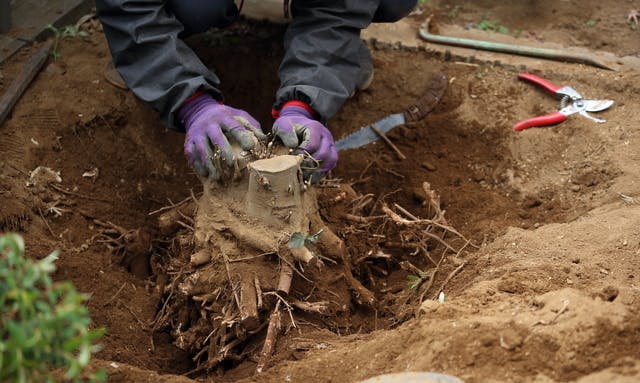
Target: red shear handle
539,81
549,119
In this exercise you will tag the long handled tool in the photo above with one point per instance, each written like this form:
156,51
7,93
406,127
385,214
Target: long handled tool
522,50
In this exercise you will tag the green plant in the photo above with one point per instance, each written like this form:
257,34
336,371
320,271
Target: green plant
299,240
44,324
452,14
590,23
492,26
416,280
62,32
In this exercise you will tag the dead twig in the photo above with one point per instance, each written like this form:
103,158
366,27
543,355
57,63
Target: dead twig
449,277
250,257
563,309
133,314
46,222
114,296
172,206
68,192
388,141
233,288
361,219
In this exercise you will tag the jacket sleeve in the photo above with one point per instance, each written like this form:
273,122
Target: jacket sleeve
154,62
325,58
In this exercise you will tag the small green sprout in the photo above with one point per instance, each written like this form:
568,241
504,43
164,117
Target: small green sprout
416,280
299,240
63,32
452,14
492,26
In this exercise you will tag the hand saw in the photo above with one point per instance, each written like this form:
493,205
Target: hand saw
416,112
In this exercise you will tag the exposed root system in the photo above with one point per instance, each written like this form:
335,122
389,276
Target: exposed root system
261,262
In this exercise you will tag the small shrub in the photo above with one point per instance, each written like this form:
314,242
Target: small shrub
43,325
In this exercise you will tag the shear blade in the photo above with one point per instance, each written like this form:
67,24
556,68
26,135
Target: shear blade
597,105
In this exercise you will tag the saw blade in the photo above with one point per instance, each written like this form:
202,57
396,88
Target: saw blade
366,135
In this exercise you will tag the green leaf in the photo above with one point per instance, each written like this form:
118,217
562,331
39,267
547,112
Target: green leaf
413,278
99,376
297,240
44,325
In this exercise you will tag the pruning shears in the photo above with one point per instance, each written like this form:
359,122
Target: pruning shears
571,102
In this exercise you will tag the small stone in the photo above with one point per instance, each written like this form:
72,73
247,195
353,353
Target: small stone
575,188
429,306
429,166
610,293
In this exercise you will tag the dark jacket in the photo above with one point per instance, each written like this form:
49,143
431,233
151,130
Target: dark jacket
324,61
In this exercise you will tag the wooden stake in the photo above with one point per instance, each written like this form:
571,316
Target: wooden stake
20,84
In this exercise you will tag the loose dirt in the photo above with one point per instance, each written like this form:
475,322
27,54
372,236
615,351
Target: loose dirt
550,294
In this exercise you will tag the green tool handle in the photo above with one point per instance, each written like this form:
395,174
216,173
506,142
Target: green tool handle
522,50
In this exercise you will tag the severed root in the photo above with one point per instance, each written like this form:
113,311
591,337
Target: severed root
333,247
311,307
284,285
248,303
270,340
363,295
201,257
172,220
132,246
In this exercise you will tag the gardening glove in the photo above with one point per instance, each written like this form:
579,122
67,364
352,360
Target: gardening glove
208,123
298,130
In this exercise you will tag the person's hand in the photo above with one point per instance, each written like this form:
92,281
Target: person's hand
208,123
298,130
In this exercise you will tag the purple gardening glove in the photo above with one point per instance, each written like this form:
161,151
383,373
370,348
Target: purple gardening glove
298,130
208,123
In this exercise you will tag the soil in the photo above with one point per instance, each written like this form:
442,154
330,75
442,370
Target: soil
549,294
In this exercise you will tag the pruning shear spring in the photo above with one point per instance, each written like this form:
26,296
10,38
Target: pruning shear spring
571,102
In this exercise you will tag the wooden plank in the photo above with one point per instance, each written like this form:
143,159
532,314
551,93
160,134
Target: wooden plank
20,84
9,46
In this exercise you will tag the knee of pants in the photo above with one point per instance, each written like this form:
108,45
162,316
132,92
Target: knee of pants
199,15
390,11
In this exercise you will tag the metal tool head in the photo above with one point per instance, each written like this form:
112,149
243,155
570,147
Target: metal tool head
583,106
597,105
366,135
569,93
